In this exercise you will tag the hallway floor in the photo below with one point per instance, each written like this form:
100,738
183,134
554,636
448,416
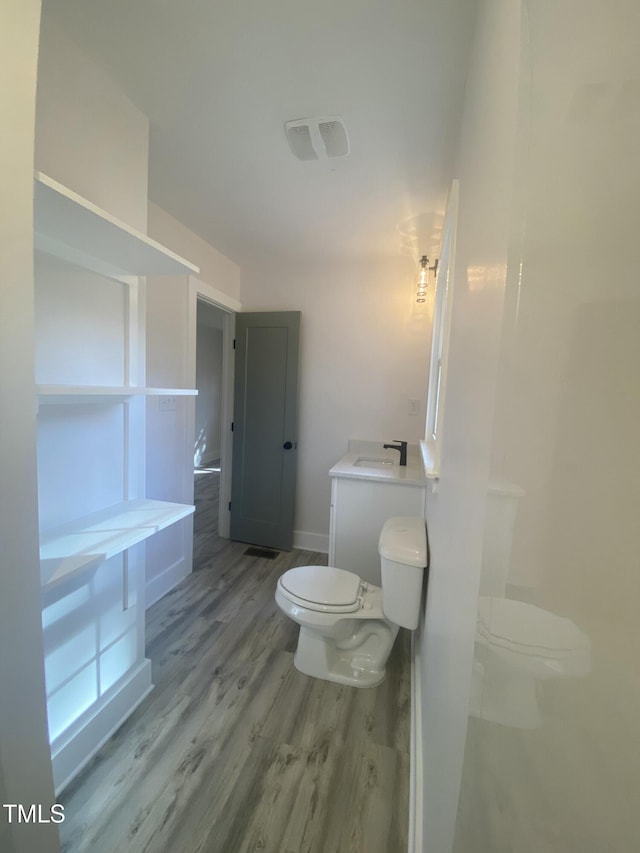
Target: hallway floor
235,750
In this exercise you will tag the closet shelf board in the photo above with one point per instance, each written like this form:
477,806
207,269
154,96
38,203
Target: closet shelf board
95,538
72,228
55,394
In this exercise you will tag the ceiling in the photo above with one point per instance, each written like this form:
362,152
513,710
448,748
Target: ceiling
219,78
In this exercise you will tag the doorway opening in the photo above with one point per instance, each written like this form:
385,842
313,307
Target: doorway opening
212,440
211,325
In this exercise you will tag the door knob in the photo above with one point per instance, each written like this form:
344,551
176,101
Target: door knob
287,445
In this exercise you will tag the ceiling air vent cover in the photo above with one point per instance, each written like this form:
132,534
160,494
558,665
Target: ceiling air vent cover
317,138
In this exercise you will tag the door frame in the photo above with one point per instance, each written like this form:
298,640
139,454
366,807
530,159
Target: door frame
230,306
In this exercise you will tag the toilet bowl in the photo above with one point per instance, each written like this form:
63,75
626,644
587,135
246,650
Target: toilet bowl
517,646
348,626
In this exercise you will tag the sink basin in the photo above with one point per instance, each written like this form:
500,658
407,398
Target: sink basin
373,462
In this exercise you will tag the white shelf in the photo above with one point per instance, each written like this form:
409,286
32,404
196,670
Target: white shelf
56,394
89,541
72,228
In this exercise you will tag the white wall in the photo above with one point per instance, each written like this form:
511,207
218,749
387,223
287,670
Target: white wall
215,268
25,766
169,457
89,136
363,355
566,431
543,393
456,505
169,437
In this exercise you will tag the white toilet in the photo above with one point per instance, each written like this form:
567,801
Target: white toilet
519,645
348,626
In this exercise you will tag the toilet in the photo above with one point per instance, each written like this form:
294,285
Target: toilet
517,646
348,626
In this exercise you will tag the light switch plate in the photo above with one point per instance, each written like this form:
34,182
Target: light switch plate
167,404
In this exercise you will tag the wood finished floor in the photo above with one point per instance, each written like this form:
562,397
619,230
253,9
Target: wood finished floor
235,750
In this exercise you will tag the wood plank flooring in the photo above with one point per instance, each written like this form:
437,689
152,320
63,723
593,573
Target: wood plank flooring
235,750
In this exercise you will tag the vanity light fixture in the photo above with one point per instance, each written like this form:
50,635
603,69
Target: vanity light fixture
423,281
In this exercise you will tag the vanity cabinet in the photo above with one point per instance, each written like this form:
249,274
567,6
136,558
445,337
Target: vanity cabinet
93,513
362,499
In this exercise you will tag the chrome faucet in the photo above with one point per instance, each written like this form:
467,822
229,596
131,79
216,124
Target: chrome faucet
401,446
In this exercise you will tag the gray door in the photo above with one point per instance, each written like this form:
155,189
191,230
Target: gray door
264,428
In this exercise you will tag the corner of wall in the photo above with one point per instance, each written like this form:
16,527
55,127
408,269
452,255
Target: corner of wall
215,268
89,135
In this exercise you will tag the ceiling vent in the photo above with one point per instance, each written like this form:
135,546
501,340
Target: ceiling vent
317,138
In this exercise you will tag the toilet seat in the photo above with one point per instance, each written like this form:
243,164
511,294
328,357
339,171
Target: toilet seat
325,589
528,630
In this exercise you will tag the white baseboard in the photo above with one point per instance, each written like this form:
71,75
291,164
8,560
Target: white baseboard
164,582
76,751
306,541
416,782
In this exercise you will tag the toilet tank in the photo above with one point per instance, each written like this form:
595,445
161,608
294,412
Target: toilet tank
500,519
403,558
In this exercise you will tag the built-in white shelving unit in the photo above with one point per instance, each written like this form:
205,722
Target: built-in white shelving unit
75,230
56,394
92,540
94,514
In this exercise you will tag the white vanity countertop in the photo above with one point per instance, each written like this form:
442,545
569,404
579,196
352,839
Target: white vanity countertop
368,460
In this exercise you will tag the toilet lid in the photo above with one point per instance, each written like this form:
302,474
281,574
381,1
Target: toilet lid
509,623
322,585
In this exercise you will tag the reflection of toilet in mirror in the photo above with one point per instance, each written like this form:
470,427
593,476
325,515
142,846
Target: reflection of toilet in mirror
517,644
503,499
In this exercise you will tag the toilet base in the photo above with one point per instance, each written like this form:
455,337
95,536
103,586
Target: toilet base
358,661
